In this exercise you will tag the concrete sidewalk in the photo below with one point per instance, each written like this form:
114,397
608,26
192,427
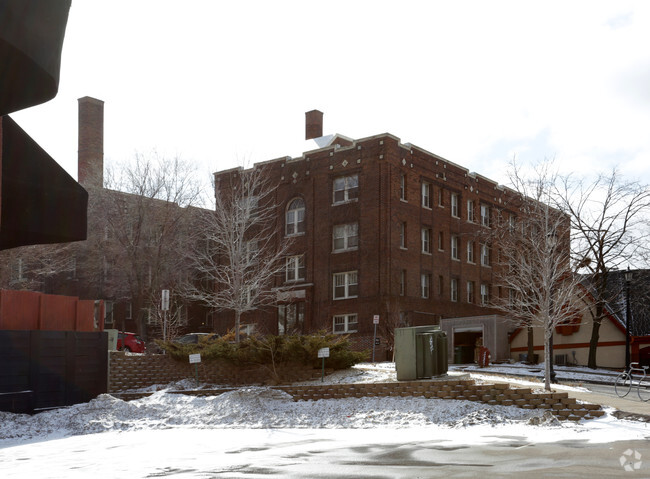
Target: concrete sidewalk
630,405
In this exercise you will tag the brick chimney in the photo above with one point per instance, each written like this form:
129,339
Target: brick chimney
90,154
313,124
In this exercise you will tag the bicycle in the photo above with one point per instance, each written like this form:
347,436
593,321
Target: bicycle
624,382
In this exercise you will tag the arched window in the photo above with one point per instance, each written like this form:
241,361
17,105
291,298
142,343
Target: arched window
295,219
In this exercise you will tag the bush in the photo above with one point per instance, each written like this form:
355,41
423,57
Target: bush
271,350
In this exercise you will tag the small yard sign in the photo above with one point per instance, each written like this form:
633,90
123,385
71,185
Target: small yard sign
323,353
195,358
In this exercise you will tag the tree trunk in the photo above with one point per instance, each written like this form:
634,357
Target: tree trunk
531,346
547,357
237,319
593,343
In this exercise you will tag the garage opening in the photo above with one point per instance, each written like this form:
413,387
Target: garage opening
466,341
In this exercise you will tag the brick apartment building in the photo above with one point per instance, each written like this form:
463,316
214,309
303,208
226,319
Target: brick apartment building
380,227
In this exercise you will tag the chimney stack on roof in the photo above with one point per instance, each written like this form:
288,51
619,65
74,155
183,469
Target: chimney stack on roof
90,153
313,124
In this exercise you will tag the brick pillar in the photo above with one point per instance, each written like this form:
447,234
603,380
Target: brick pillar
90,154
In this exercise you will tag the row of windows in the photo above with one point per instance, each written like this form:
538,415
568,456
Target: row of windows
470,247
455,203
454,293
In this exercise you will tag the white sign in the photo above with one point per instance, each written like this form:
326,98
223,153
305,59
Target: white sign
324,353
164,306
195,358
375,319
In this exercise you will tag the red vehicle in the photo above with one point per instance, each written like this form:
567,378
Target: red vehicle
130,342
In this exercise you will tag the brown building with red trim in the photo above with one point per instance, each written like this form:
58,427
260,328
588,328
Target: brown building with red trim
379,227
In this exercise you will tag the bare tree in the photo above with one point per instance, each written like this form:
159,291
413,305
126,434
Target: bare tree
535,267
239,252
141,221
607,216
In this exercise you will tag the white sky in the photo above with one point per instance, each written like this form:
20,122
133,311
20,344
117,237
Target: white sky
223,83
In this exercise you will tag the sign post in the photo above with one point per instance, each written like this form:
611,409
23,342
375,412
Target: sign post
323,353
196,359
375,321
164,307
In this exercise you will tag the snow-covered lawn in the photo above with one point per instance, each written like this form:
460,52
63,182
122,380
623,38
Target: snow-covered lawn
149,424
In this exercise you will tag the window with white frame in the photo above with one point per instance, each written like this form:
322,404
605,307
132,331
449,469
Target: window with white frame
426,194
455,241
295,268
295,217
485,254
426,240
425,285
346,188
346,285
453,287
402,235
470,291
470,211
440,198
345,237
485,215
345,323
470,251
402,187
485,294
454,205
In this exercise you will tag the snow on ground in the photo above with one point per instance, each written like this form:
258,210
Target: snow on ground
187,436
265,408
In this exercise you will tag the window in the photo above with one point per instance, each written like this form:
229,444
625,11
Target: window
345,323
440,202
512,222
295,218
402,283
426,194
441,287
295,268
425,285
485,255
252,248
454,205
108,312
426,240
402,235
470,291
402,187
346,188
470,211
345,285
454,247
129,311
485,294
441,241
291,318
485,215
470,252
453,286
345,237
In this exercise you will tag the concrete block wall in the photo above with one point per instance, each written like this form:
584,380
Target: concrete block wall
560,404
139,371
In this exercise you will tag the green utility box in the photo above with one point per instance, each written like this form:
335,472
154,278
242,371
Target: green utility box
420,352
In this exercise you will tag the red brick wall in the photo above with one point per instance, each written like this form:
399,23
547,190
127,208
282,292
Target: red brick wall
380,161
